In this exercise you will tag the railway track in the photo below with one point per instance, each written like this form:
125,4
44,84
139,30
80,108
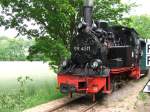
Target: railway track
63,105
54,105
90,107
85,107
83,104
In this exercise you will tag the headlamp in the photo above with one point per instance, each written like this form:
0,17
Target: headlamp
64,63
96,63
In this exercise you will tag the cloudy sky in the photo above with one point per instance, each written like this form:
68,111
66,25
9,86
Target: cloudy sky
143,8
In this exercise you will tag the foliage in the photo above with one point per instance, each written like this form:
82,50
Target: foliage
52,22
141,24
26,95
111,10
142,96
22,89
9,102
13,49
45,49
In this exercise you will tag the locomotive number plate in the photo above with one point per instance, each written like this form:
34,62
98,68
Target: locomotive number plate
84,48
148,53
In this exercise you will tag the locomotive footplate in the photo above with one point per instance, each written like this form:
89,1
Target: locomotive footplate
80,84
66,88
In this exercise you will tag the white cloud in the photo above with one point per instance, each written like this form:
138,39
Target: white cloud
142,8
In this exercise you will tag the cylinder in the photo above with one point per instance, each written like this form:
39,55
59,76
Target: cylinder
87,11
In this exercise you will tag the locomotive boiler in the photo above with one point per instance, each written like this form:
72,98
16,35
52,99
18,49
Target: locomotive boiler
101,55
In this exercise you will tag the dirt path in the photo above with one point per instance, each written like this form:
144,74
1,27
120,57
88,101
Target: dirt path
126,99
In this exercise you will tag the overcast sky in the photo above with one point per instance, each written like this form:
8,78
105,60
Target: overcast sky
143,8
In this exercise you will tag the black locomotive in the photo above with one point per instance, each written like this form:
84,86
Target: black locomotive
99,44
101,57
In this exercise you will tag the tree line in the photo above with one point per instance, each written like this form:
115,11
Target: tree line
14,49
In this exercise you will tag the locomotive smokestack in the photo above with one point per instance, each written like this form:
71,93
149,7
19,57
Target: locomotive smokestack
87,11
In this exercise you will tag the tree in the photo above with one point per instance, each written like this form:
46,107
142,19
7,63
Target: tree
141,24
55,22
13,49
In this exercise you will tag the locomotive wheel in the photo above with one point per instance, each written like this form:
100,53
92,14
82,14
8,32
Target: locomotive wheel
93,97
113,85
70,94
117,82
145,73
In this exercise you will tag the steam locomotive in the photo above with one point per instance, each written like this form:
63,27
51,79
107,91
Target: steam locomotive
100,56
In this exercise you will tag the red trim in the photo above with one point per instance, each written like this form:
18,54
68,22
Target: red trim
94,84
120,70
135,73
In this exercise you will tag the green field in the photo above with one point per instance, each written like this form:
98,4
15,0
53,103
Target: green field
25,84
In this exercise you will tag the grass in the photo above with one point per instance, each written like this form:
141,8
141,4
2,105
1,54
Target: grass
43,93
27,95
143,96
25,92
